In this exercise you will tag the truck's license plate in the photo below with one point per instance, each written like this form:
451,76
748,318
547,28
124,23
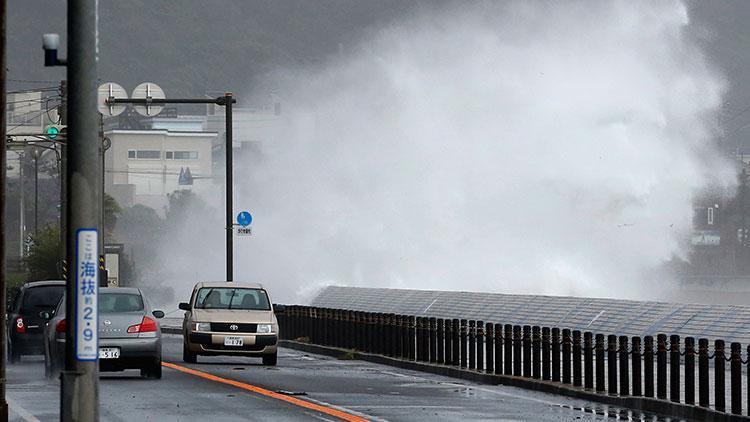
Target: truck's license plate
109,353
233,341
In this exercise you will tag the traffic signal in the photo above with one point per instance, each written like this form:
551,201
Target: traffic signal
53,132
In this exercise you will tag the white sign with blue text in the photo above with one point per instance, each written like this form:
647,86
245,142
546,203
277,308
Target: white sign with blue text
87,289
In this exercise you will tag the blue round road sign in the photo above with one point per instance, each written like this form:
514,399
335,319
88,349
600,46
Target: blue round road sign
244,219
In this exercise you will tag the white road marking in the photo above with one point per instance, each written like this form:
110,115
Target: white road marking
20,411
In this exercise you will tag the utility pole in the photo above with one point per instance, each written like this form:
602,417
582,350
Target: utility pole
100,252
63,114
3,287
36,153
79,399
21,207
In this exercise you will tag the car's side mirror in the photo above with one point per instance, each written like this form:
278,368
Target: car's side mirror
184,306
279,309
45,315
158,314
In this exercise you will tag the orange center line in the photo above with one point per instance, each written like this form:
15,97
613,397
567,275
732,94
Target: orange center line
268,393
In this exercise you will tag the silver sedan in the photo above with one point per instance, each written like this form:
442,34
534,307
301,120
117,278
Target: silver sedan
129,334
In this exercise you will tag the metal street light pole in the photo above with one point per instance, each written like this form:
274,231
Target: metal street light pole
229,184
227,100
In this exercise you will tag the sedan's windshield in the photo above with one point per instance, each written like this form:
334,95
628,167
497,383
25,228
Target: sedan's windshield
43,297
111,303
231,298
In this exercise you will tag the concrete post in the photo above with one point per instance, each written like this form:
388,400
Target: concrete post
588,360
719,368
556,354
546,346
489,330
674,368
648,366
703,361
612,364
526,343
599,348
624,367
80,381
636,359
661,366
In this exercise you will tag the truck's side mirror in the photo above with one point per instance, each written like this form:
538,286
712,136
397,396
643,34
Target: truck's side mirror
184,306
279,309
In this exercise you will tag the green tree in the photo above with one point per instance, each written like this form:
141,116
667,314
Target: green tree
42,260
112,212
182,204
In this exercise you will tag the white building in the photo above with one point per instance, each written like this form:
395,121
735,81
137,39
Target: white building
144,166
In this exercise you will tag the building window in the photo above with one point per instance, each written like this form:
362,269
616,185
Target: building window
710,215
182,155
144,154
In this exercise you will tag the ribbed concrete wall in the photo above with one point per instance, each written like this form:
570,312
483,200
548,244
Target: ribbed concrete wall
606,316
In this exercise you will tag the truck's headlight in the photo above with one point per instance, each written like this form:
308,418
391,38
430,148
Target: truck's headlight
202,326
264,328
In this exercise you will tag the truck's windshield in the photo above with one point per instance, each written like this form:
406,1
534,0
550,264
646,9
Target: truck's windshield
232,298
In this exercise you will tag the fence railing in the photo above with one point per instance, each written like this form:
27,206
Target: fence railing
606,364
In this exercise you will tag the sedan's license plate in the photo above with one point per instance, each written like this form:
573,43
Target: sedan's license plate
109,353
233,341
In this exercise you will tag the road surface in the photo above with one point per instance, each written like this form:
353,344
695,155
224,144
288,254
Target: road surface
303,387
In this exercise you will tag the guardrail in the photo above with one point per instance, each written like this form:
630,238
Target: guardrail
607,365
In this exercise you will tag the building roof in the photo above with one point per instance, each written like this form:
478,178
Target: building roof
730,323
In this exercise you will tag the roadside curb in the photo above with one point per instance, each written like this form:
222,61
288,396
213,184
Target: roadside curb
645,404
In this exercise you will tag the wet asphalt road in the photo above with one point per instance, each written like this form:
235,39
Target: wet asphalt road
363,389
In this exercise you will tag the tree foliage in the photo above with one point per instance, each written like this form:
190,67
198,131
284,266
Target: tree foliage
44,254
112,212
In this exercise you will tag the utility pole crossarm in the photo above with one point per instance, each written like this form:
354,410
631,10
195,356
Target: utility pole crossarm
218,101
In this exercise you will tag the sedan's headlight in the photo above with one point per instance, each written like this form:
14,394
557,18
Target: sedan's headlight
264,328
202,326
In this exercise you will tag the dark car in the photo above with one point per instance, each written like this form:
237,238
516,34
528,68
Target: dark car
129,336
25,320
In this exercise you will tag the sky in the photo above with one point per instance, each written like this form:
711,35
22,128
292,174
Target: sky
500,146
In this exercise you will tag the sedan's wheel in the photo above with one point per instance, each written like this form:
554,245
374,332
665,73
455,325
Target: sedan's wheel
13,354
270,360
47,365
153,371
187,355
